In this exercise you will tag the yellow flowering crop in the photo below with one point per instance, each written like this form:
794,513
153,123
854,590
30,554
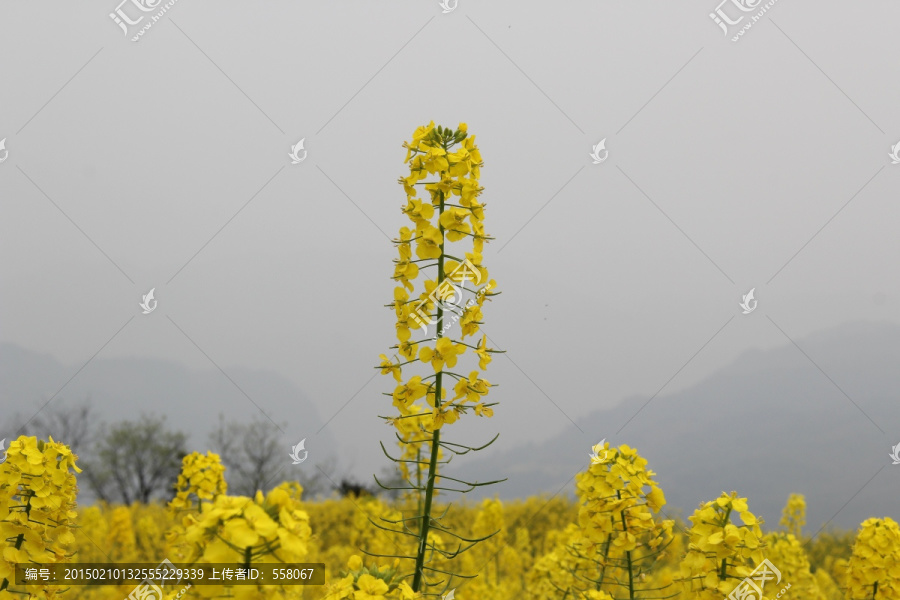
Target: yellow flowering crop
541,553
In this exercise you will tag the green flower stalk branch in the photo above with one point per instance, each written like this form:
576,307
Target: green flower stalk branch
451,302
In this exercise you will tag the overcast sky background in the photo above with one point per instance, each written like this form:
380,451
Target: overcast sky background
164,164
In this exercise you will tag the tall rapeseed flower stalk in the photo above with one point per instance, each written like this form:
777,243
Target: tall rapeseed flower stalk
619,503
873,572
786,552
450,214
37,512
721,553
121,540
201,479
491,519
793,516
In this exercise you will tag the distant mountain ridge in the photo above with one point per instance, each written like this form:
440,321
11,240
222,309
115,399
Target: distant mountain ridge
123,388
767,425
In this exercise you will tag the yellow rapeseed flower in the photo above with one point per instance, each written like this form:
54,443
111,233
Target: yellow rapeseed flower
445,351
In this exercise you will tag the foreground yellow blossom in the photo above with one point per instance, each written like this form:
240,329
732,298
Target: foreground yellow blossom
542,545
37,512
874,567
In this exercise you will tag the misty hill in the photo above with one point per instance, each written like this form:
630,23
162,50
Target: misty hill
767,425
123,388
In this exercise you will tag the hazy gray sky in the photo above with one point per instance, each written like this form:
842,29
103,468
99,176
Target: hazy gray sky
164,164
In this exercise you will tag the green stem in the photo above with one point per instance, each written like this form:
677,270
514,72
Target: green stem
627,554
436,436
418,478
630,576
605,557
21,538
724,571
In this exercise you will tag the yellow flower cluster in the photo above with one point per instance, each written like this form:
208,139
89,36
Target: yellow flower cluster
616,538
555,573
37,511
232,528
793,517
362,583
491,524
201,478
785,551
452,213
721,553
616,509
874,567
237,529
618,535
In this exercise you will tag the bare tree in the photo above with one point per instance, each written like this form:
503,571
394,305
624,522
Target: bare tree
72,425
316,483
256,458
136,461
250,452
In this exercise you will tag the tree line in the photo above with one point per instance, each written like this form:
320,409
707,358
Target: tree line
138,460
